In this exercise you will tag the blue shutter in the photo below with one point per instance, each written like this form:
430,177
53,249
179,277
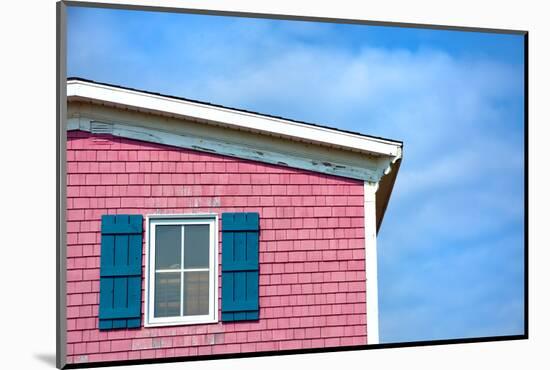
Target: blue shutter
240,266
120,272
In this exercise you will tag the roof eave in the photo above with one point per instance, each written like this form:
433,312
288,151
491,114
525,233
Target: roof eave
233,118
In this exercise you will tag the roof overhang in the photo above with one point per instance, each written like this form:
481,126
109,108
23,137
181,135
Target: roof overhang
326,150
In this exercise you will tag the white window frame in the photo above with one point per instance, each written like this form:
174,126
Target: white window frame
180,219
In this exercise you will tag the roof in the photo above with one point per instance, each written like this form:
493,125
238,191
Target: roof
237,118
370,158
80,79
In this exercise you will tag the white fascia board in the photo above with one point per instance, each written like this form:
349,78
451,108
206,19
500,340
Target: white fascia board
233,118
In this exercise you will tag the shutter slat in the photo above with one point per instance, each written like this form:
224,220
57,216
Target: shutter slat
228,251
240,267
240,290
227,293
119,313
106,289
125,224
134,253
252,248
239,246
241,305
105,324
239,316
121,294
120,272
119,324
241,222
121,251
134,301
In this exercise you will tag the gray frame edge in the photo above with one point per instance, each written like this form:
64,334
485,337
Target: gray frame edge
61,188
290,17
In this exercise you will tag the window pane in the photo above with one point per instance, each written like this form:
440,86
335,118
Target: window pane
195,293
196,246
167,294
168,247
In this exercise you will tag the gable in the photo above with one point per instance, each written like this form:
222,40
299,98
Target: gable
131,114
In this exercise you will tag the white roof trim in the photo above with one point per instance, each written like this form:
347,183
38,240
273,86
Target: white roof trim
370,170
233,118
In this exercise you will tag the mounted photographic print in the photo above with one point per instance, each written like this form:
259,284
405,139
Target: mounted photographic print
241,186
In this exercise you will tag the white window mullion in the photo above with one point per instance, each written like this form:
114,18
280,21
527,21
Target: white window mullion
187,270
172,270
196,270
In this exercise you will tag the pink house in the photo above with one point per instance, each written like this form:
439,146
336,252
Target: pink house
195,229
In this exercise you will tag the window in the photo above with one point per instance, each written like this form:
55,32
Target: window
181,270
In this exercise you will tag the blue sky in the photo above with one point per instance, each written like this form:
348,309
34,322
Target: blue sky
451,245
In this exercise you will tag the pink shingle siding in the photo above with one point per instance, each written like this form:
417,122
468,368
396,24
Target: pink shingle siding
312,252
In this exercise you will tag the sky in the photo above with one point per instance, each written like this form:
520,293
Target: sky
451,247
